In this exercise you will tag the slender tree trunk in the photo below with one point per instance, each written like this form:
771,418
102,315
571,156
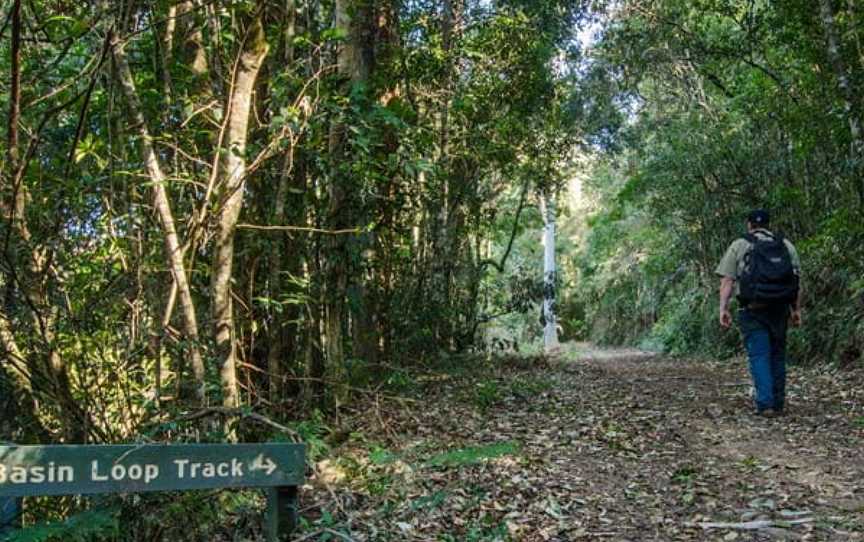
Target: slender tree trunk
550,274
194,40
9,418
168,52
14,88
442,233
314,388
276,348
275,374
14,362
826,12
233,169
14,365
365,337
173,249
353,63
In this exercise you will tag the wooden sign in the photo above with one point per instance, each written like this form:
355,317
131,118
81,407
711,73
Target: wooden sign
73,470
27,471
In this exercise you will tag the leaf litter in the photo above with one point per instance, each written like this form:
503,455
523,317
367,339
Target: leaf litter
597,445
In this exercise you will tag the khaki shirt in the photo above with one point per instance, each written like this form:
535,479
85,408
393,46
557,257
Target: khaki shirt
732,264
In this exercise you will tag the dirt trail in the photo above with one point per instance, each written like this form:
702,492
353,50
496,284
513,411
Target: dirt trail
605,444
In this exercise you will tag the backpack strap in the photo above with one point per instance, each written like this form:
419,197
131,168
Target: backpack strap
752,238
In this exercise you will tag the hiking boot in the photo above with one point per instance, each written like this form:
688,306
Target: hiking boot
767,413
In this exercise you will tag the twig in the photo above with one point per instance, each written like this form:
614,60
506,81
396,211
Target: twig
493,263
297,228
660,379
193,114
751,525
82,115
225,411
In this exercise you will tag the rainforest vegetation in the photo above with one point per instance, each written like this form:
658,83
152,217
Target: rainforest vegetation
250,220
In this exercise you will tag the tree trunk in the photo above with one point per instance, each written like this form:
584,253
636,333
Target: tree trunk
173,249
354,64
276,347
14,87
196,54
233,171
550,274
168,53
442,232
844,81
275,350
14,362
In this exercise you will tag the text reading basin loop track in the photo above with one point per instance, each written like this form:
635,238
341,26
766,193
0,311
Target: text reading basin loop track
30,471
67,470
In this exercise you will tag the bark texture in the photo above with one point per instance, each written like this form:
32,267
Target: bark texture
550,275
354,64
844,81
162,203
233,170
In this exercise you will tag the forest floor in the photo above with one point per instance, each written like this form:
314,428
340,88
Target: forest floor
596,445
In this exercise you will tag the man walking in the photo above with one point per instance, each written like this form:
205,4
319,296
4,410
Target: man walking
764,271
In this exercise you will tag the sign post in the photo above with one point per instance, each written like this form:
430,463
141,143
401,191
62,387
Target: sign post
10,514
281,511
27,471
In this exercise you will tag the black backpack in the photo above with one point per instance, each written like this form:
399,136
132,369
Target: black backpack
769,277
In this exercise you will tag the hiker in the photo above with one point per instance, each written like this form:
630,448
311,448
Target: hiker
764,270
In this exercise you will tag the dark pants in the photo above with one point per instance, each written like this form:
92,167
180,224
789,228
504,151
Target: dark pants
764,331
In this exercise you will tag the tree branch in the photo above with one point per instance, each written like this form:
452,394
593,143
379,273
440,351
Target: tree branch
298,228
493,263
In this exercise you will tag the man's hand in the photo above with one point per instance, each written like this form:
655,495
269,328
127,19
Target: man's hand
795,317
725,318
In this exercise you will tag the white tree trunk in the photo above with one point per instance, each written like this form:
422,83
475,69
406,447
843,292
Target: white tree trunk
848,91
550,272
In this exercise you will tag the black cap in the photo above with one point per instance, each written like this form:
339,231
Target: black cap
759,217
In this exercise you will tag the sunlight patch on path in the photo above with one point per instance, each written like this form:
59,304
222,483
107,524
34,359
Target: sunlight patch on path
588,352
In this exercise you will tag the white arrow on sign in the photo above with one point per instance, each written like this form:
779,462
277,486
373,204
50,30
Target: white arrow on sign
263,463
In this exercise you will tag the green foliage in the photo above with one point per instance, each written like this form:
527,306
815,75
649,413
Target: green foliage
400,381
217,514
685,474
313,432
89,526
381,456
431,501
487,393
485,530
472,454
525,388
